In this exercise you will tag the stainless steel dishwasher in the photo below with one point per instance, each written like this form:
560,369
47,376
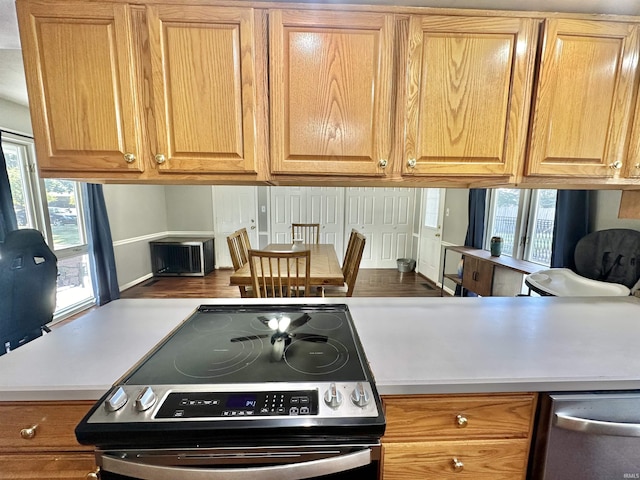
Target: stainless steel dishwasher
588,436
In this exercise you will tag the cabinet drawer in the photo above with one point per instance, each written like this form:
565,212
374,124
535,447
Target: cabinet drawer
422,417
54,421
479,460
64,465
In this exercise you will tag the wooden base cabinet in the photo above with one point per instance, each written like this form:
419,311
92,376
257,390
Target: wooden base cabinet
37,440
457,436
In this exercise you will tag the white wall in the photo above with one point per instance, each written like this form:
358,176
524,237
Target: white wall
605,206
15,117
137,214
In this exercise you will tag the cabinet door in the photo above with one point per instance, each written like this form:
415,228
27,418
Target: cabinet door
468,91
331,84
78,64
204,62
477,276
582,105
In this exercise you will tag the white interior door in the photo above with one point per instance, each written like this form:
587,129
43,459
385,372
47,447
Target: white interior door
383,216
288,205
323,205
234,207
431,233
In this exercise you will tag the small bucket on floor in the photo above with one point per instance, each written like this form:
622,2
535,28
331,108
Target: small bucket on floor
406,264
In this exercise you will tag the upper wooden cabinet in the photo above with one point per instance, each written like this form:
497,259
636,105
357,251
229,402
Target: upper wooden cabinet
583,104
140,93
205,88
79,68
468,91
331,88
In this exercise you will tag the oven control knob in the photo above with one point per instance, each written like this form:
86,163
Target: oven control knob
333,397
116,400
359,396
145,400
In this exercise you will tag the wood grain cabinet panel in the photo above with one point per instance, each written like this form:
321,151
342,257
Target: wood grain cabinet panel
582,106
79,69
331,87
47,465
486,460
477,276
483,436
37,440
205,88
412,417
468,90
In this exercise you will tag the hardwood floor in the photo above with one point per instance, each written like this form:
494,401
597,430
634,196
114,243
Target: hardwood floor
370,283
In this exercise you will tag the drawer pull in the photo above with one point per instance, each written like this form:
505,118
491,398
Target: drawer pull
461,421
95,475
28,433
457,465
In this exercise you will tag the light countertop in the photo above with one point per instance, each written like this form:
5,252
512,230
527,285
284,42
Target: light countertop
414,345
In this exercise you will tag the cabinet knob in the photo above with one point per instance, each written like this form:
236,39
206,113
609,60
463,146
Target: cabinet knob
95,475
637,165
129,157
457,465
411,163
617,165
160,159
382,163
28,433
461,421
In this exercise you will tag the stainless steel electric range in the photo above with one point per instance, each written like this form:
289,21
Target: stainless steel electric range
253,391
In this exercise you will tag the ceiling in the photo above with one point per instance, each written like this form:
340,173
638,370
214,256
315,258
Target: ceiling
13,85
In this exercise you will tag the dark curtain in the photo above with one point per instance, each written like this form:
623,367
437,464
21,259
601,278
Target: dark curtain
475,228
570,225
102,259
8,220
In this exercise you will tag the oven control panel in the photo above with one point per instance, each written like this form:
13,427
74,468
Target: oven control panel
138,403
239,404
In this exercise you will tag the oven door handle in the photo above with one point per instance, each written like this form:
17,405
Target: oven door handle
596,427
291,471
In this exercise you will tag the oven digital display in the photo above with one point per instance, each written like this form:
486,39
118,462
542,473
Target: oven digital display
239,404
242,401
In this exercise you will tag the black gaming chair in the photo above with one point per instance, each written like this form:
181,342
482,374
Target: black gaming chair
28,276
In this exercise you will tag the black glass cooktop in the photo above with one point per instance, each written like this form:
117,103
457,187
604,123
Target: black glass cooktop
255,344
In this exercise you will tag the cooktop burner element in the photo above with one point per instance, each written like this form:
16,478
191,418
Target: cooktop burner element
253,371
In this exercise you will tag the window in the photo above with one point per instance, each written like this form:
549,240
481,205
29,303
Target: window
524,219
55,208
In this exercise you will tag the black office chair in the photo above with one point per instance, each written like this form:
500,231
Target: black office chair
28,276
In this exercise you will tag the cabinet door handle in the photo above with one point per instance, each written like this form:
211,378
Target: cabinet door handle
95,475
160,159
28,433
461,421
457,465
129,157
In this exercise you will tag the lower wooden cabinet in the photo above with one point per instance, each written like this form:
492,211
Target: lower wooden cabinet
457,436
47,465
480,460
37,440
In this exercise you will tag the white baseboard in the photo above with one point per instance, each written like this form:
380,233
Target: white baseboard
135,282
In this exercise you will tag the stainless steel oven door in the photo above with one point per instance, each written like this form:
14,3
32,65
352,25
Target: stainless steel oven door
264,463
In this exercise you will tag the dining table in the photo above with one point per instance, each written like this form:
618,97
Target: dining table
325,266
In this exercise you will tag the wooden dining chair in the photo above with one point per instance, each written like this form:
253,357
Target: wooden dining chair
280,274
350,266
308,232
239,247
